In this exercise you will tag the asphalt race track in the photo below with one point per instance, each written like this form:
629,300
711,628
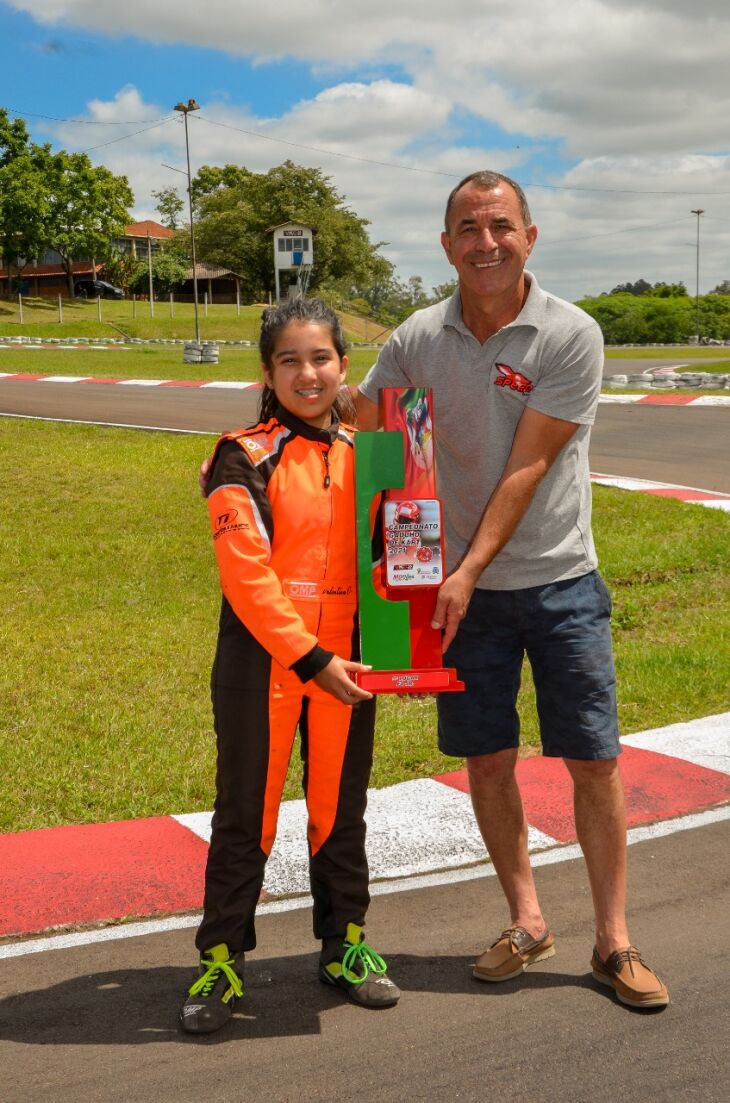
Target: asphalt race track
98,1023
681,445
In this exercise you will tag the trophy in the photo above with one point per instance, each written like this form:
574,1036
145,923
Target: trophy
398,591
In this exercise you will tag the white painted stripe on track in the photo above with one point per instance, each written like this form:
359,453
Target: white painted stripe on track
412,828
63,379
706,741
112,424
141,382
629,482
378,888
718,501
230,385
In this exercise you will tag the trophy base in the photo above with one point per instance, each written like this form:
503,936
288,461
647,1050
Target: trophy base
410,681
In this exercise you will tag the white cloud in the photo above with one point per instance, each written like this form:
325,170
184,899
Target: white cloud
632,92
604,75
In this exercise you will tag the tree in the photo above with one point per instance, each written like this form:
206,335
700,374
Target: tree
89,206
24,205
444,290
170,206
14,138
655,319
722,288
168,272
123,269
639,288
669,290
235,207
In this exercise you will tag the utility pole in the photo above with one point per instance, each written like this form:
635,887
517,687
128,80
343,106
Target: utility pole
185,109
698,212
149,276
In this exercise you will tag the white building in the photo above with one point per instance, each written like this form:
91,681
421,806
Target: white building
293,258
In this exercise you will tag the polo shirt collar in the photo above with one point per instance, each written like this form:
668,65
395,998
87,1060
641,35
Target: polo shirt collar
532,313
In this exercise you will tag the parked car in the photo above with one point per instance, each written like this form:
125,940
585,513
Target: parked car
97,289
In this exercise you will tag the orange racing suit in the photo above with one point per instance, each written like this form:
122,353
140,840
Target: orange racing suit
281,500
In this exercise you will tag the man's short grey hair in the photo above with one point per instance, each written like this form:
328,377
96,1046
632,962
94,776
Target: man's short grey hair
486,181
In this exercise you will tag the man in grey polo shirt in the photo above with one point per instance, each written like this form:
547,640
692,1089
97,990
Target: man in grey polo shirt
516,375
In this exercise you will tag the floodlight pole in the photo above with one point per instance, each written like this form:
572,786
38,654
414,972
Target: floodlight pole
698,212
185,109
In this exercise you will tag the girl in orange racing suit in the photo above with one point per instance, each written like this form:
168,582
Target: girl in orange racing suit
281,498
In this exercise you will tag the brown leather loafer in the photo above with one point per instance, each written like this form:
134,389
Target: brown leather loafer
511,952
632,980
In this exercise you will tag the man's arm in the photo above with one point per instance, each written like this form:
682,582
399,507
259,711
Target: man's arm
537,443
367,411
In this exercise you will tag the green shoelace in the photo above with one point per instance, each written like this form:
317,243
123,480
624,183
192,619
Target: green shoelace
205,984
366,959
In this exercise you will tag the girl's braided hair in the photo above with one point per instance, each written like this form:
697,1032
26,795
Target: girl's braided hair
275,319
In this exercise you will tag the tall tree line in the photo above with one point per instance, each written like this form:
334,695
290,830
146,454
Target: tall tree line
642,313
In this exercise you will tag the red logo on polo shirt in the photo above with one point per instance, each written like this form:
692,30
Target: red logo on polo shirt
515,380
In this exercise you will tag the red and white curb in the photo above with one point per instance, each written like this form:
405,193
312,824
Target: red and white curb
692,495
230,384
641,399
419,833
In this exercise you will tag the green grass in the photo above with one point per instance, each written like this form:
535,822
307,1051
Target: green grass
110,599
665,352
153,362
123,318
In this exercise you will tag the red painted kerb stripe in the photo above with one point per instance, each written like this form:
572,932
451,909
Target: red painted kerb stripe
94,872
657,787
667,399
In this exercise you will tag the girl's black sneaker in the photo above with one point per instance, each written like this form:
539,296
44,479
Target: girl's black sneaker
356,968
212,997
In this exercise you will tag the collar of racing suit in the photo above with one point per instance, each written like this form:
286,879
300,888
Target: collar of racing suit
324,436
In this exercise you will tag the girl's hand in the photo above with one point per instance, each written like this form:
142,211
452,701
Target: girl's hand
335,679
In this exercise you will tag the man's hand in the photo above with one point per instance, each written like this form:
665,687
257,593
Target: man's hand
335,679
452,603
204,475
367,411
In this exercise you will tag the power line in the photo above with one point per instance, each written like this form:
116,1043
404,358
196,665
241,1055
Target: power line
326,152
438,172
578,238
123,137
85,122
345,156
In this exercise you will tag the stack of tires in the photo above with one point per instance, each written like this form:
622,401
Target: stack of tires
201,352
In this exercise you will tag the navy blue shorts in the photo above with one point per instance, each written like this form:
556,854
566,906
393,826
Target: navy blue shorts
564,628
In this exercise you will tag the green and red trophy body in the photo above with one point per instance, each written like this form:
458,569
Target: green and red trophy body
398,596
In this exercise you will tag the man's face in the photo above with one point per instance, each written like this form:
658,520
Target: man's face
487,241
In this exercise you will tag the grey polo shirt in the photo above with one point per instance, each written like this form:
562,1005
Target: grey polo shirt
549,358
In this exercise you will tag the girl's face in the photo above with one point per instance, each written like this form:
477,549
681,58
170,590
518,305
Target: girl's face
306,372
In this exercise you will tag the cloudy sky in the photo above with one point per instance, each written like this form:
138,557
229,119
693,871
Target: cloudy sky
613,114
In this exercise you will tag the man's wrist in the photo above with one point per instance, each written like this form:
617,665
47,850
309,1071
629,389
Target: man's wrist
471,570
